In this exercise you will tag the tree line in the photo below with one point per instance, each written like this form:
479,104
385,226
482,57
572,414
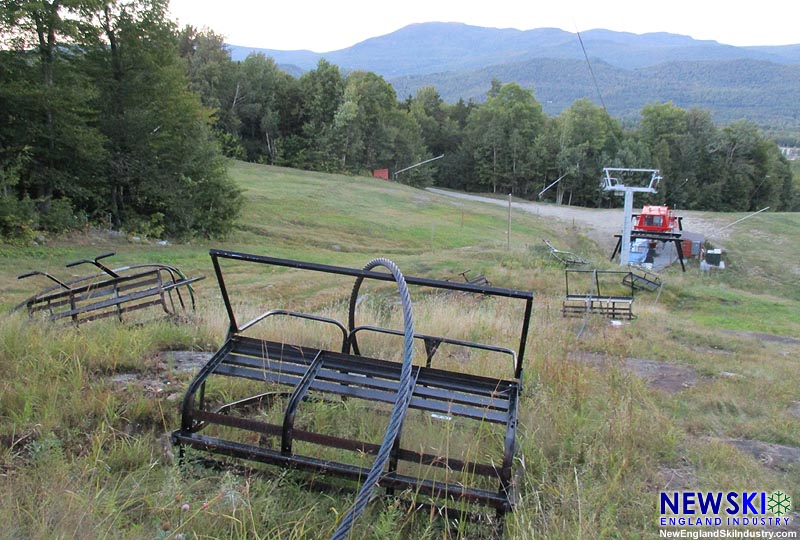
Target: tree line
353,123
97,123
762,92
110,113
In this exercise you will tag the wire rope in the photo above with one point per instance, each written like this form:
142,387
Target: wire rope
404,391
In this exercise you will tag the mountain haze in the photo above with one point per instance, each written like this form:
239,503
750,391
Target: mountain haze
437,47
759,91
759,84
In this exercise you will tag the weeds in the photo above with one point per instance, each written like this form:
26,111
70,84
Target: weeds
84,457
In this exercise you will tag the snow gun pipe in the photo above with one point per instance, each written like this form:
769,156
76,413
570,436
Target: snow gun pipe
737,221
417,165
551,185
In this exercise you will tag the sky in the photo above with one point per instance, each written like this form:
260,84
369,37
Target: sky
324,26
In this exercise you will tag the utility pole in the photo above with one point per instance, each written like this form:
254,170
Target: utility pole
508,231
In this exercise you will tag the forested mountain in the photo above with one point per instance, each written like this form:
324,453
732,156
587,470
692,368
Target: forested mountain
759,84
762,92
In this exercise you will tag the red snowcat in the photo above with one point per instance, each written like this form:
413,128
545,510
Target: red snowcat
658,219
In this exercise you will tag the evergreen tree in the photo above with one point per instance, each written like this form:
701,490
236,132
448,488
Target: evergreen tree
166,172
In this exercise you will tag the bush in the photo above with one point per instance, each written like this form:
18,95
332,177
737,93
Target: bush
60,216
17,218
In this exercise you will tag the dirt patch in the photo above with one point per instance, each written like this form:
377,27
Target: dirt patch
184,360
664,376
774,456
677,478
769,338
164,372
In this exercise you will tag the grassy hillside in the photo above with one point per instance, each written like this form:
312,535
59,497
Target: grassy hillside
699,392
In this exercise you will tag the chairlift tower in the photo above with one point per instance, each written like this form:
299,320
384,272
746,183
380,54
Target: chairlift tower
613,180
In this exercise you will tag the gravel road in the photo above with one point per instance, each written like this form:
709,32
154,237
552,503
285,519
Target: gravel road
601,223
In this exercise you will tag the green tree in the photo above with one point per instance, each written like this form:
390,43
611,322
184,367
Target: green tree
692,179
362,122
790,190
166,172
664,129
257,107
706,167
213,76
427,108
546,147
501,133
322,91
95,97
17,216
47,103
409,149
589,140
347,135
457,169
441,133
750,173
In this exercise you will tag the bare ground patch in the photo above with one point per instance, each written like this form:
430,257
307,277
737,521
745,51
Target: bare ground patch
680,478
163,372
664,376
774,456
768,338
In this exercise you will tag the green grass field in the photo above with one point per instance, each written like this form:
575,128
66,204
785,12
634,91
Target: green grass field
83,455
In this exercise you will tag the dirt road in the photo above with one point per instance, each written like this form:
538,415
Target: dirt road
601,224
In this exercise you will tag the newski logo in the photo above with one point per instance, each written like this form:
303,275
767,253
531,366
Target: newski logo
693,502
717,508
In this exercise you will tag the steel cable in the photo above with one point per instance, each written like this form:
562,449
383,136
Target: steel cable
404,392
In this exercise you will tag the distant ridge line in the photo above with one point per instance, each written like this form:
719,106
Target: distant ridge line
758,84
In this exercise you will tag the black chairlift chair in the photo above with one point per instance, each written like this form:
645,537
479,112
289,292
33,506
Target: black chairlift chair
269,419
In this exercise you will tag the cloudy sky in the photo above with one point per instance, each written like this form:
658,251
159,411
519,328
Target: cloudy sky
324,26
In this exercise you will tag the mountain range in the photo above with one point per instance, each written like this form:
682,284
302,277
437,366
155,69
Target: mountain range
759,84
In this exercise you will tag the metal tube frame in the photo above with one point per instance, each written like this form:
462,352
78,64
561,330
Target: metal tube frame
347,373
111,291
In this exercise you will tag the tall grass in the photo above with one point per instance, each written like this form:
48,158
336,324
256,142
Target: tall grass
83,456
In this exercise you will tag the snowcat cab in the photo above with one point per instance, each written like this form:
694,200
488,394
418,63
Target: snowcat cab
658,219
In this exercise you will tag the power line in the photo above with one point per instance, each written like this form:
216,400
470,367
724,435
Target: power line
597,87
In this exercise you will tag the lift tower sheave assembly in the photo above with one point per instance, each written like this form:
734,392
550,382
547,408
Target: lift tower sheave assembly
614,179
